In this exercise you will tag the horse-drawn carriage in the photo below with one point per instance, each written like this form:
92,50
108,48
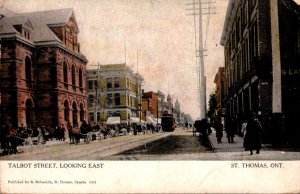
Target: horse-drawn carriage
25,139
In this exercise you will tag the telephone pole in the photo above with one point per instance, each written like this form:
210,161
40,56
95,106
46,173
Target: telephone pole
199,8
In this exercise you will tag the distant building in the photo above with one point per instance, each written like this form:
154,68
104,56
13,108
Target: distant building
219,81
150,104
118,92
177,112
43,72
161,100
168,106
247,41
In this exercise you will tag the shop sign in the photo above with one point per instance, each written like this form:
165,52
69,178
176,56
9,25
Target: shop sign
290,72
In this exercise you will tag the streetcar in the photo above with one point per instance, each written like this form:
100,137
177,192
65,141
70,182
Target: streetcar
168,123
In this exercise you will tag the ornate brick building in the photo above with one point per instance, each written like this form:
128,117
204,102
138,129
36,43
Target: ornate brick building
43,73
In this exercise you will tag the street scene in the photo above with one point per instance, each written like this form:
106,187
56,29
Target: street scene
150,80
181,144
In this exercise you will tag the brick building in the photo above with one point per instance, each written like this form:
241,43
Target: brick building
42,72
247,41
150,106
219,81
113,91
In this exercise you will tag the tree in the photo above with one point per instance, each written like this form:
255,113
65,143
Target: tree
212,105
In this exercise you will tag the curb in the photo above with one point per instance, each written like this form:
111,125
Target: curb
211,144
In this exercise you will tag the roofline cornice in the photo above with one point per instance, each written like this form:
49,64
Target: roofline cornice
16,36
59,45
230,8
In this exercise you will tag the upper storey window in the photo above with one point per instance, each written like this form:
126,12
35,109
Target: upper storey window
73,76
24,31
65,70
28,72
70,36
109,83
117,82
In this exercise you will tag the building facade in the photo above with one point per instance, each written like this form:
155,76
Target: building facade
114,91
247,41
177,112
219,81
43,72
150,105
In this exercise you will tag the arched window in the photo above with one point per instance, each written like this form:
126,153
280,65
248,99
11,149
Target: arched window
73,76
75,114
66,111
65,72
80,78
29,112
28,70
81,112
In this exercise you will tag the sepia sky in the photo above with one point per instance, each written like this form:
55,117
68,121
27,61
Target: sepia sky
159,32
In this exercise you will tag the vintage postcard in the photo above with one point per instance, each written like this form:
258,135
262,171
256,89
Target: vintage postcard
149,96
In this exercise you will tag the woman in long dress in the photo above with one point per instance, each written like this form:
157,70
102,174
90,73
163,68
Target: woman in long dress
252,140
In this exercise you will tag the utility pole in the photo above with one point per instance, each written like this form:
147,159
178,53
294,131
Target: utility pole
198,10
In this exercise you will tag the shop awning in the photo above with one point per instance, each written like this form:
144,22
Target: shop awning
134,120
159,120
113,120
151,120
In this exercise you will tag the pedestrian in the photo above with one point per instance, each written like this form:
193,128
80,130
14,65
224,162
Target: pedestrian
219,129
243,129
186,125
252,140
71,134
230,131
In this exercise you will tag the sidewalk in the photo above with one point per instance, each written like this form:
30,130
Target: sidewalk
225,146
235,151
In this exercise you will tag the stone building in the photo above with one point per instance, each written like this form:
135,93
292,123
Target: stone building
43,72
249,66
114,91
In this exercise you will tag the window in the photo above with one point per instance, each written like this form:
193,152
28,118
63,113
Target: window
91,116
96,84
91,84
28,70
73,76
117,82
109,99
75,114
91,100
109,83
81,112
117,99
65,72
80,78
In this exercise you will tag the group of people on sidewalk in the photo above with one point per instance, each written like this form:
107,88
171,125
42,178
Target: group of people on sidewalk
251,130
